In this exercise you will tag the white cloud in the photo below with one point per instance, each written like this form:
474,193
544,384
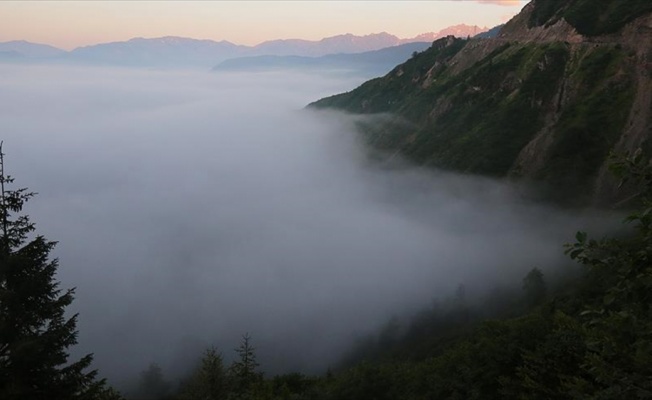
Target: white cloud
191,208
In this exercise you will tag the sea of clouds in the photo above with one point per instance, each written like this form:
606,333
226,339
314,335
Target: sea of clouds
192,207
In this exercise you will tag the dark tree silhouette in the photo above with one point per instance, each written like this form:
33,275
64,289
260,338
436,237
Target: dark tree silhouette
34,331
534,287
243,372
152,385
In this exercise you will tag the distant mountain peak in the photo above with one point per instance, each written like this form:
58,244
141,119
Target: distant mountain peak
183,51
459,30
29,49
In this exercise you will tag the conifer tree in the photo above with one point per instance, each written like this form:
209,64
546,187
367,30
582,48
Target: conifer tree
208,381
35,334
243,372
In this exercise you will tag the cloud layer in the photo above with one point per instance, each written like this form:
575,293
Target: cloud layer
191,208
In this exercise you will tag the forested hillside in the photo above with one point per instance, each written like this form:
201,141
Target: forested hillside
563,84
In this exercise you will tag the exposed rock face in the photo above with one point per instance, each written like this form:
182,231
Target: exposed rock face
541,102
636,39
517,29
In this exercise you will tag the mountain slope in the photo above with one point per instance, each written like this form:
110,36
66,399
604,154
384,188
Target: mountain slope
541,102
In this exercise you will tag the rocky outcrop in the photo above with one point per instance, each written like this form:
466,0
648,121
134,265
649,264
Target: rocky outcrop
518,29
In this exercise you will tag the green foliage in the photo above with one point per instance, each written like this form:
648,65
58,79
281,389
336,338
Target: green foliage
490,111
634,169
618,323
34,331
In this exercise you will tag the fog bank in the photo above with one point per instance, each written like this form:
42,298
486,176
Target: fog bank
191,208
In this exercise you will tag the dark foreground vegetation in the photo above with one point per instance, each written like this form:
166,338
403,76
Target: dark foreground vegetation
590,338
34,331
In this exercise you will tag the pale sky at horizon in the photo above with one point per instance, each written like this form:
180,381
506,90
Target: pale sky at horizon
70,24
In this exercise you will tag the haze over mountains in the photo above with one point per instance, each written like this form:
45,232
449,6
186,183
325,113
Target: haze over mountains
171,51
373,63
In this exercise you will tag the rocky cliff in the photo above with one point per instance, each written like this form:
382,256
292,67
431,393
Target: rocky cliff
565,83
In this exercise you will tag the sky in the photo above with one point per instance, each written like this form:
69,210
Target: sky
70,24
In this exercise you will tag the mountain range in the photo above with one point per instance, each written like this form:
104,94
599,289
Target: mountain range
369,63
356,44
372,63
173,51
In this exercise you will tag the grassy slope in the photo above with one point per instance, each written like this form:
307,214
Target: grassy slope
479,120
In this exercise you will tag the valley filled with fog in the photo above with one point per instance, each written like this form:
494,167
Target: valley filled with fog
192,207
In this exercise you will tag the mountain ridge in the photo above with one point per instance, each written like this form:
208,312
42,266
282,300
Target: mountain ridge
29,49
366,64
181,51
541,102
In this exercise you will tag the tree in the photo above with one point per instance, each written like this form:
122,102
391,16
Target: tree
208,382
618,361
34,331
534,287
243,372
152,385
